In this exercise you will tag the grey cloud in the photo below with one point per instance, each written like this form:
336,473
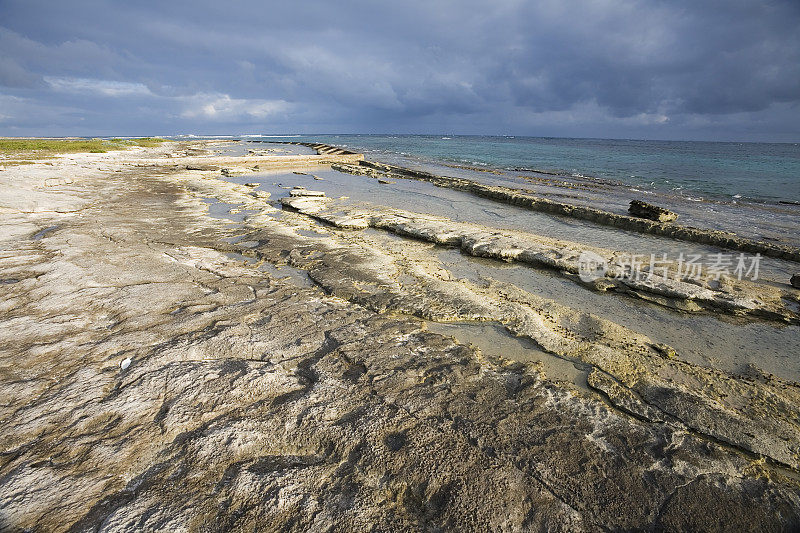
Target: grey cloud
638,68
13,75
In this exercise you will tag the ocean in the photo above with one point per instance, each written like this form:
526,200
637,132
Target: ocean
721,171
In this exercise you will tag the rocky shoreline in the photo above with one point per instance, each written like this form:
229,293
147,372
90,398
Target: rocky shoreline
736,297
598,216
281,376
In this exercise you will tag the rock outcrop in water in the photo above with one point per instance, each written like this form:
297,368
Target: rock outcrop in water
651,212
253,402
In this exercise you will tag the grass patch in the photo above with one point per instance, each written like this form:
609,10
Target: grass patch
39,148
145,142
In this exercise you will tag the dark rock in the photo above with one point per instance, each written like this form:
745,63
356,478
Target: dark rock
795,281
395,441
665,351
651,212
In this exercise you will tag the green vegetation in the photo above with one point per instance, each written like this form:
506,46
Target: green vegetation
40,148
141,141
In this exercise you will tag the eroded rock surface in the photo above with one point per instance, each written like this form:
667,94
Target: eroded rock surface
252,402
652,212
738,297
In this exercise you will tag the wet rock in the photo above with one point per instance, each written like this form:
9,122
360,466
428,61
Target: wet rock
651,212
795,281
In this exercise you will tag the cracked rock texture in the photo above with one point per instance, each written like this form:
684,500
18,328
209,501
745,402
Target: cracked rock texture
253,402
737,297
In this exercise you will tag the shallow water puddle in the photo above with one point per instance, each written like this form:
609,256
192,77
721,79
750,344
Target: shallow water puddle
718,341
295,275
494,340
222,210
239,257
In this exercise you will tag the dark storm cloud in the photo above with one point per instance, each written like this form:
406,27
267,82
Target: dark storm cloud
593,68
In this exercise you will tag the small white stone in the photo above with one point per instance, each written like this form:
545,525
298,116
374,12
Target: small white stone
303,192
125,363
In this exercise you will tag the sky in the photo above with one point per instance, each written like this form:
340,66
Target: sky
642,69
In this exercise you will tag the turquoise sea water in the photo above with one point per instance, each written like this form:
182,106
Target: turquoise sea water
765,172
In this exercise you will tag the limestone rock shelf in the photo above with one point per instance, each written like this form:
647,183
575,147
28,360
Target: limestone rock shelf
160,369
